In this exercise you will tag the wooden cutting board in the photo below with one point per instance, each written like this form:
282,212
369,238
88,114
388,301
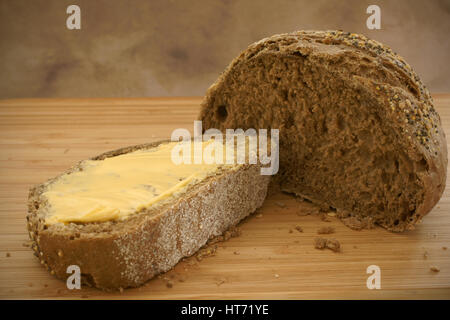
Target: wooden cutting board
39,138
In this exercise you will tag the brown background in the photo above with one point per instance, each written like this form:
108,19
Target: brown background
178,48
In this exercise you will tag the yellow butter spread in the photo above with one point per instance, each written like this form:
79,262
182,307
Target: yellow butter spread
117,187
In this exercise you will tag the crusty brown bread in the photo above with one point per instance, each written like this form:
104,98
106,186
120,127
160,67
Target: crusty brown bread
358,130
120,254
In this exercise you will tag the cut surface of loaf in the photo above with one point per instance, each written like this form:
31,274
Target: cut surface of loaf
358,129
128,250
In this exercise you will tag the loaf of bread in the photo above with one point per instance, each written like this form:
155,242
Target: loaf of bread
119,253
358,130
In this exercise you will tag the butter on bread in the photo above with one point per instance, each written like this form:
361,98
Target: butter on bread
127,250
117,187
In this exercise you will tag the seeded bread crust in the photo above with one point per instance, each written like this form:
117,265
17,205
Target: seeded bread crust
121,254
378,76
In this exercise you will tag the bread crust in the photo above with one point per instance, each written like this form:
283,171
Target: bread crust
121,254
396,90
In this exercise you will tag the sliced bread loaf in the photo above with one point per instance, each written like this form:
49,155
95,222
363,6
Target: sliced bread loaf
129,249
358,129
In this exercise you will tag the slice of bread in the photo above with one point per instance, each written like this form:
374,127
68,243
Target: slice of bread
358,130
127,252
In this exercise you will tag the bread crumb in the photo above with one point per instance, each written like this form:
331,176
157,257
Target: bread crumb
299,228
236,252
233,232
276,275
332,244
425,255
280,204
444,248
358,224
230,233
307,208
324,217
353,223
221,281
259,215
121,290
206,252
45,285
169,284
326,230
320,243
8,254
331,214
435,268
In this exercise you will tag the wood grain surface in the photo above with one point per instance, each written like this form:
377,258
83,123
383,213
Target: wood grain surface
39,138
